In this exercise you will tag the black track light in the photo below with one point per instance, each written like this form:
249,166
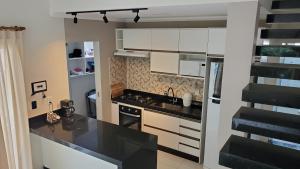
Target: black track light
75,18
137,18
103,12
104,17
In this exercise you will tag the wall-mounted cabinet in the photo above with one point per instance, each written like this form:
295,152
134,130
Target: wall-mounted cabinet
193,40
164,62
181,52
192,65
216,41
165,39
137,39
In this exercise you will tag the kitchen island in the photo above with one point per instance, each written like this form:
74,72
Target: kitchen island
82,142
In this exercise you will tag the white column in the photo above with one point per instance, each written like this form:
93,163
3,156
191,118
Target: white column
242,23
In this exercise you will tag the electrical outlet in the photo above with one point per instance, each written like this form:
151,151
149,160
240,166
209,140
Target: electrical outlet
33,105
49,99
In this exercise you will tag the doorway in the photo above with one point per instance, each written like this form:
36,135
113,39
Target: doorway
83,60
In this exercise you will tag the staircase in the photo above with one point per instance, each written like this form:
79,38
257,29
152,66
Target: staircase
247,153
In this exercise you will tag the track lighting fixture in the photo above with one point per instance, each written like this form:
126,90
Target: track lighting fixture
135,10
75,18
104,17
137,18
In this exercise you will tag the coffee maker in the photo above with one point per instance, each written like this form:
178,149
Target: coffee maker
67,107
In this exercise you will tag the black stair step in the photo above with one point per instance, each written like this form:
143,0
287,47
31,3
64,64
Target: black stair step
280,34
272,95
278,51
267,123
276,70
286,4
239,152
283,18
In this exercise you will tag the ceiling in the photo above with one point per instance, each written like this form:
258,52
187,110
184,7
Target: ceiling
166,13
198,12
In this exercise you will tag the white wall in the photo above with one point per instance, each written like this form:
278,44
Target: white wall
242,24
44,46
87,30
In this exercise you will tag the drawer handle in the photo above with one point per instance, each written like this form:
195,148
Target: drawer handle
189,137
157,128
189,146
189,128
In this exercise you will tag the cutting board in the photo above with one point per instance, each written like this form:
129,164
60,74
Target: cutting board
117,89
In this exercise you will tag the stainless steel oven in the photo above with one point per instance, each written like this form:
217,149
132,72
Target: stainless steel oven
130,117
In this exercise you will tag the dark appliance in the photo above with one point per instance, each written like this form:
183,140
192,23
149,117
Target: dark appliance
130,117
67,107
77,53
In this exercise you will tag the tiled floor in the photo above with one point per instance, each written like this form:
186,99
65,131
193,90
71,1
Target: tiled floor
168,161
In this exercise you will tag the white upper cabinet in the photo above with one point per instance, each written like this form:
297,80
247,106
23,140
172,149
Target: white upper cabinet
216,41
193,40
164,62
137,38
165,39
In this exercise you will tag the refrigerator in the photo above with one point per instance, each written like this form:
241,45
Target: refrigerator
211,152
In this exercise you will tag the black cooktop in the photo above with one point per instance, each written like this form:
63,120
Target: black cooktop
135,97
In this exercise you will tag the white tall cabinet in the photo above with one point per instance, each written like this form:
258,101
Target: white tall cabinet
216,41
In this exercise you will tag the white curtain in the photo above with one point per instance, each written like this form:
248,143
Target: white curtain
14,120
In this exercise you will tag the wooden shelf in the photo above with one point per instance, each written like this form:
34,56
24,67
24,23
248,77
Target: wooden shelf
81,58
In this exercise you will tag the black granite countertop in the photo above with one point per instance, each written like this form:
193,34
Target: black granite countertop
193,112
127,148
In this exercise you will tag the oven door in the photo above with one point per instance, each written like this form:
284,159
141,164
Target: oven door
130,120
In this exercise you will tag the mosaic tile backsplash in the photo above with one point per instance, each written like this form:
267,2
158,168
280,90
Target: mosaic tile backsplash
118,70
138,77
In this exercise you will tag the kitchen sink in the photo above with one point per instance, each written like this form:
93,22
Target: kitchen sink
168,106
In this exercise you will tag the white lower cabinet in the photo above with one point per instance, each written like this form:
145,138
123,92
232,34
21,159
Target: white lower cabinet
189,150
175,133
188,141
115,113
161,121
190,132
166,139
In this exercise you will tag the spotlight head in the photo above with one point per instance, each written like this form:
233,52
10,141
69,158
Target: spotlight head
75,18
137,18
104,17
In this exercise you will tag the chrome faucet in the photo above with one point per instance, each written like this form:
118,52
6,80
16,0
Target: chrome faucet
166,93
